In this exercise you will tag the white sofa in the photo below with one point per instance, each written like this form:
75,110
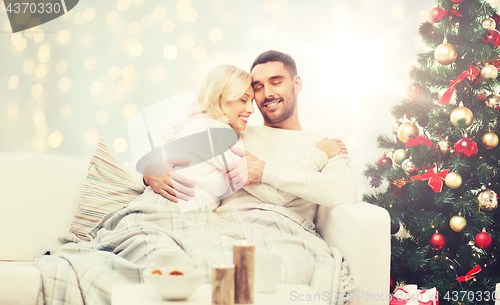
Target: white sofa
41,195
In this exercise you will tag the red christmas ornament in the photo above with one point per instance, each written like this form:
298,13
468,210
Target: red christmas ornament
483,240
434,14
492,38
496,17
392,285
384,162
437,241
466,147
413,90
457,1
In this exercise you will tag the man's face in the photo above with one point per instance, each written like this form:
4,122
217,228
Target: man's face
274,91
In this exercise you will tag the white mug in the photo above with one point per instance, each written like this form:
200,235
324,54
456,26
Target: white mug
267,271
169,258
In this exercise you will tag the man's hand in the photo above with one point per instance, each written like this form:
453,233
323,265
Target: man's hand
171,185
331,147
246,171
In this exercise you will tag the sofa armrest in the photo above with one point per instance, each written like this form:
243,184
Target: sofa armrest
362,232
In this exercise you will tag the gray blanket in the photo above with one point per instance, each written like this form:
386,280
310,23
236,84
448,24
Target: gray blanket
78,272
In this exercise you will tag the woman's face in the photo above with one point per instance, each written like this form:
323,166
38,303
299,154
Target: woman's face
241,110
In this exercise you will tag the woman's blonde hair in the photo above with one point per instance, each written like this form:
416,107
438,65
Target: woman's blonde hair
222,84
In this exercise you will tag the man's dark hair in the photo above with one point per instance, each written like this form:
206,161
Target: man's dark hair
272,55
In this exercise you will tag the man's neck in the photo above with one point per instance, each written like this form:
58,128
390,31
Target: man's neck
289,124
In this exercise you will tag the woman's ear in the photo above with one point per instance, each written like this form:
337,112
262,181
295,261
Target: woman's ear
297,84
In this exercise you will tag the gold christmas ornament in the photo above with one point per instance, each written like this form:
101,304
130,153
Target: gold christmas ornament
457,223
490,140
405,130
399,156
488,24
461,113
444,146
489,72
408,165
488,199
492,101
445,53
453,180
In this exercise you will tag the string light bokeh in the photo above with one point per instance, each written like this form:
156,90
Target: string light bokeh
68,83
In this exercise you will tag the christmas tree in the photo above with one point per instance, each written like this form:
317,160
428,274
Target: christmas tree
442,164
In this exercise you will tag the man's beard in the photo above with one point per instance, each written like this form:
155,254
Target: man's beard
287,110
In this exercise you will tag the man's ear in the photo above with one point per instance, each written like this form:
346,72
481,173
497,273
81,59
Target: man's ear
297,84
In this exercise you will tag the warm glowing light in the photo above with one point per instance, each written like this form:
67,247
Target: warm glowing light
159,13
38,36
44,53
65,84
123,5
16,38
39,119
55,139
101,116
40,71
6,26
89,14
120,145
128,72
61,66
96,88
134,28
215,34
129,110
270,6
170,52
183,5
168,26
12,111
186,42
13,82
66,112
157,74
28,66
92,136
199,53
22,45
112,17
79,18
119,96
191,15
114,72
64,36
135,50
37,90
90,63
218,5
397,10
227,17
148,21
137,2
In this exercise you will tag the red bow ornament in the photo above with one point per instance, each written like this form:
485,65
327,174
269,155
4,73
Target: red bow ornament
419,140
471,74
435,180
446,13
470,275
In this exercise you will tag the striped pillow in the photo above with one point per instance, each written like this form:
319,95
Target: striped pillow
107,188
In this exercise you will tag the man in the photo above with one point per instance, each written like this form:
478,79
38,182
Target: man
281,160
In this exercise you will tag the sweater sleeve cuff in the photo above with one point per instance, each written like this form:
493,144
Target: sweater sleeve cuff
318,157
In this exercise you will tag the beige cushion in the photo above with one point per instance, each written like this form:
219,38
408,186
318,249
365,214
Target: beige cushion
40,194
107,188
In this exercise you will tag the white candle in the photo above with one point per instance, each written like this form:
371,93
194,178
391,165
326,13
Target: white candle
244,261
497,294
223,284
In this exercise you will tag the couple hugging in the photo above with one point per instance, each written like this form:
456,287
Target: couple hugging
281,163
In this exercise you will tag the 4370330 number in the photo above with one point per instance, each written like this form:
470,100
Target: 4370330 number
33,8
471,296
